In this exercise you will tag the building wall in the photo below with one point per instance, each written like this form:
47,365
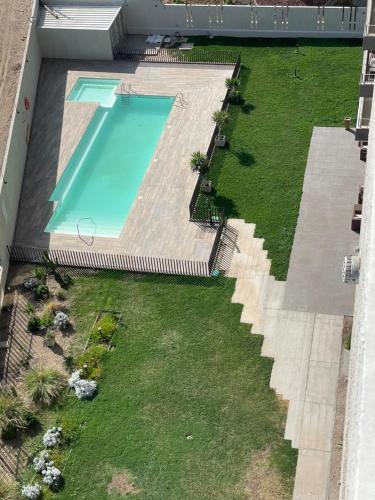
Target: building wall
75,44
358,478
15,154
151,16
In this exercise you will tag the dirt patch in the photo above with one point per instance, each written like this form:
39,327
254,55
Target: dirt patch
263,481
122,484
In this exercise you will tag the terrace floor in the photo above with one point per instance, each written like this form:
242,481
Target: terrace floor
158,224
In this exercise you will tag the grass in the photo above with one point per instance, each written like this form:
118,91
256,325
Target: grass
259,177
182,365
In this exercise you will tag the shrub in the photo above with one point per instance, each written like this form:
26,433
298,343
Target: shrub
44,385
31,491
46,318
52,437
57,457
52,477
70,430
42,461
34,324
92,359
40,273
8,487
13,414
104,331
29,309
347,342
61,320
84,389
41,292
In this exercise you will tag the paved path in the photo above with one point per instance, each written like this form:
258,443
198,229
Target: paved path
306,348
323,235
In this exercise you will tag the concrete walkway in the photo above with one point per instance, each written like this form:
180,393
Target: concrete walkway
323,235
306,348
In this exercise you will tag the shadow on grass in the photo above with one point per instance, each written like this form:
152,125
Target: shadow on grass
208,282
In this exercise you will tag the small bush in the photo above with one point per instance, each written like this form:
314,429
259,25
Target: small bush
57,456
52,437
8,488
14,416
104,330
42,461
44,385
34,324
29,309
84,389
40,273
31,491
61,320
41,292
46,318
70,430
92,359
52,477
61,295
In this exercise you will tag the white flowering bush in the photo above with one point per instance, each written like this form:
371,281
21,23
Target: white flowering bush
61,320
52,476
31,491
84,389
52,437
42,461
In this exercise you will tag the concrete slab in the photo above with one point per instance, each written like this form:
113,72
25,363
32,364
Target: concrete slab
323,236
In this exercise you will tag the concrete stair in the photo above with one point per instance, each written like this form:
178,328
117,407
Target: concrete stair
306,348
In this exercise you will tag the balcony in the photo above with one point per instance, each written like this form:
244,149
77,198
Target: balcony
369,31
363,119
366,87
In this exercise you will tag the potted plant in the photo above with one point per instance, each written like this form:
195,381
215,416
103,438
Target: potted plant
220,118
232,85
50,338
199,162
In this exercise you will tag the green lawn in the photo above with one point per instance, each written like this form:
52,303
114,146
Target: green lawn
259,177
183,365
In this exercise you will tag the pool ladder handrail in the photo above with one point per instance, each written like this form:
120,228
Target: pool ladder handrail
127,91
180,100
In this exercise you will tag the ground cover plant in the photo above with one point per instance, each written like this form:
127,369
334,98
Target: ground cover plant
287,87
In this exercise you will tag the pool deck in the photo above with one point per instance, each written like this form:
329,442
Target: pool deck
158,224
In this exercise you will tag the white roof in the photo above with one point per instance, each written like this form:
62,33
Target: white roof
83,17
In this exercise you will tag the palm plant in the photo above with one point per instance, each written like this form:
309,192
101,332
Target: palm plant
44,385
13,414
199,162
232,85
9,489
221,118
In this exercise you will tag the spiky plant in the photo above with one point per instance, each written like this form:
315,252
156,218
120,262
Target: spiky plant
232,83
13,414
199,162
220,118
44,385
9,489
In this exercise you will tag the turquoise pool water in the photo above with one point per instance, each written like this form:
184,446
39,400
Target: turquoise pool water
97,189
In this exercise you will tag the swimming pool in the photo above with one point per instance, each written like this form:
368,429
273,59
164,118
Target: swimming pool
96,191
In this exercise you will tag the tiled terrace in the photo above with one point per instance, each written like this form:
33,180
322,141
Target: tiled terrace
158,224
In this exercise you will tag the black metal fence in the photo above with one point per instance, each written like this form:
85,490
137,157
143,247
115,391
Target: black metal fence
197,209
216,245
99,260
177,56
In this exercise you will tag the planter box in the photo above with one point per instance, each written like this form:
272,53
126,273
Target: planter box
220,141
206,186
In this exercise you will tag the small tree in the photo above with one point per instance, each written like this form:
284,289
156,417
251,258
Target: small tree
44,385
199,162
221,118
